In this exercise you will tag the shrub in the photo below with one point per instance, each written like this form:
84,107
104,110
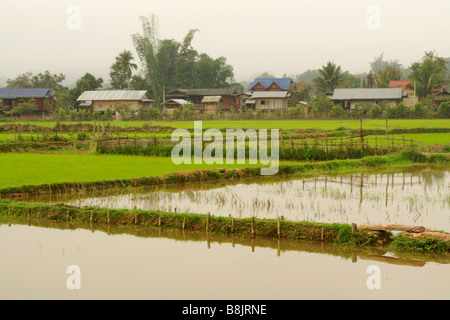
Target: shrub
337,112
419,110
375,111
401,110
444,109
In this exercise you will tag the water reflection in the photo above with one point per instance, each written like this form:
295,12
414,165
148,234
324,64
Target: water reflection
420,198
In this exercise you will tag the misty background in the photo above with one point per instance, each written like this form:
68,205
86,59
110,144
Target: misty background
281,38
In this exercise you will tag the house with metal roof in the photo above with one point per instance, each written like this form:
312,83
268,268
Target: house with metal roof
270,84
115,99
173,104
268,100
349,97
41,97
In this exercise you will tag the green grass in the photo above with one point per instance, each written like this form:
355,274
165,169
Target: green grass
428,139
32,169
276,124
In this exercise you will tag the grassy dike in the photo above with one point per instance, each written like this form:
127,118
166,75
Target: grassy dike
265,228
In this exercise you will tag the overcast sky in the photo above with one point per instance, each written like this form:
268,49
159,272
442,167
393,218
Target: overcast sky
277,36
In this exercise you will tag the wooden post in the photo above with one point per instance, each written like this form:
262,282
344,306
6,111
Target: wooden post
184,223
232,225
376,146
387,134
207,222
404,146
361,135
253,227
420,142
278,227
282,144
108,218
326,143
90,218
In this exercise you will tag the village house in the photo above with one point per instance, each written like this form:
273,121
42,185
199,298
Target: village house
349,97
115,99
177,94
410,100
268,100
210,104
41,97
439,97
229,98
270,84
173,104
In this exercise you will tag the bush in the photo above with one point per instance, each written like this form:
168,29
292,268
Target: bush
337,112
401,110
419,110
375,111
444,109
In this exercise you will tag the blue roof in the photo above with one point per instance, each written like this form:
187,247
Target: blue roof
14,93
266,82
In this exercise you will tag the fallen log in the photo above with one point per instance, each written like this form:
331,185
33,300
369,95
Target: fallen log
391,227
442,236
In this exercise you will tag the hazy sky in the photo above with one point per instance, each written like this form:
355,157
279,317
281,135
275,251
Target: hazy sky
277,36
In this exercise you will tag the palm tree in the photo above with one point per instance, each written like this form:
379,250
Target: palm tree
330,77
371,81
126,66
428,74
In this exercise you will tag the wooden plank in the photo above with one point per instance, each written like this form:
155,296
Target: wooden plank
391,227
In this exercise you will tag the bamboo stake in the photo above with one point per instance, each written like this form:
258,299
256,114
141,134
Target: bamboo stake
387,134
278,227
232,225
253,227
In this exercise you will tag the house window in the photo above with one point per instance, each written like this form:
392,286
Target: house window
263,101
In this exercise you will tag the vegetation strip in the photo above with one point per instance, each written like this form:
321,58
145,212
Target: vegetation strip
286,168
343,234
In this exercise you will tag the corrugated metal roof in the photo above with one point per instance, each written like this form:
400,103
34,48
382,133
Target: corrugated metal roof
211,92
269,94
178,101
14,93
114,95
212,99
368,94
284,83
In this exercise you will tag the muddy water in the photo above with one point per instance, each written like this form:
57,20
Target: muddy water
413,198
34,262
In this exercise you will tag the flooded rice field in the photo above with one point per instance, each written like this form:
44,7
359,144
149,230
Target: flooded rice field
38,262
59,260
414,198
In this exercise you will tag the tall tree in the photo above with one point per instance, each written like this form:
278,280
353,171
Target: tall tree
330,77
86,83
146,45
186,64
122,70
41,80
428,74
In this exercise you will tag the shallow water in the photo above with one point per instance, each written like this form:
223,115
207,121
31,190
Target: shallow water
417,198
34,262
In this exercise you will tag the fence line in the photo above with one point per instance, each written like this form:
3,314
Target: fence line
371,143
